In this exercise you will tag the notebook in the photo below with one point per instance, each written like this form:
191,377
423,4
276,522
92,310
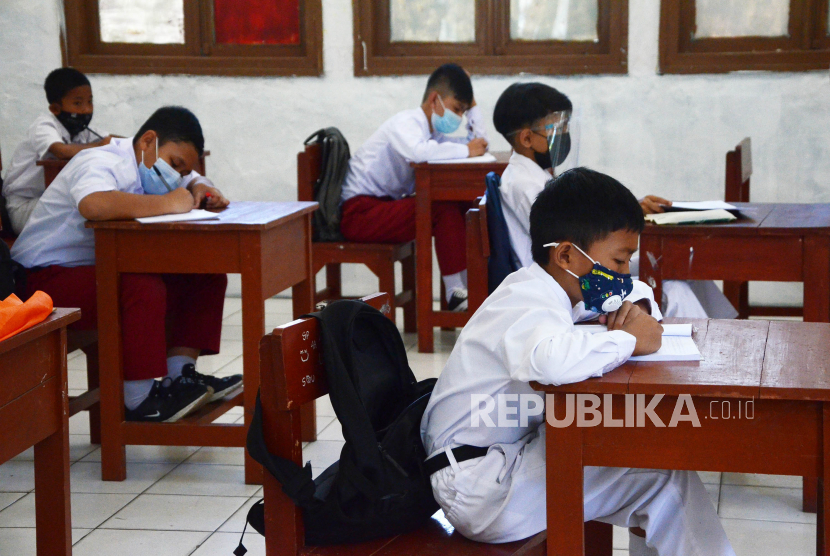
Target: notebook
678,206
678,344
691,217
195,214
486,157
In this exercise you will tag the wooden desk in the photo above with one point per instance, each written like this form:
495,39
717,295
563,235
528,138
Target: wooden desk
269,244
52,167
34,411
774,242
442,182
783,366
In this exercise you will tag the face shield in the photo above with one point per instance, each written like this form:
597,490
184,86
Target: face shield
562,133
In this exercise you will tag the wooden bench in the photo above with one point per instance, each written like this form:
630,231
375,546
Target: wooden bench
379,258
738,173
287,382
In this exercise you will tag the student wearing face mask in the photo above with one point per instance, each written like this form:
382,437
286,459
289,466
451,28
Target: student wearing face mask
60,134
377,201
534,118
167,321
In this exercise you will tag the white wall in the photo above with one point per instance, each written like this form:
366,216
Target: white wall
657,134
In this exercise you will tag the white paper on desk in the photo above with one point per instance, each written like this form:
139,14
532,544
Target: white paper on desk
486,157
195,214
702,205
679,330
675,348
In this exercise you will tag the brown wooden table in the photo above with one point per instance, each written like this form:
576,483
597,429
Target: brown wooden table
269,244
442,182
34,411
771,242
783,367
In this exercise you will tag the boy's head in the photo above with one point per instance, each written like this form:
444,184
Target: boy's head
172,133
522,112
589,210
448,88
70,98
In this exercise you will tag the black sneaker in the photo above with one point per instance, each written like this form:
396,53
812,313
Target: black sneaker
169,401
219,387
458,300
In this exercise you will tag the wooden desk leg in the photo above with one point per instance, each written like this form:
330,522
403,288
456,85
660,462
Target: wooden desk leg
423,257
302,300
111,374
822,524
816,309
564,485
52,508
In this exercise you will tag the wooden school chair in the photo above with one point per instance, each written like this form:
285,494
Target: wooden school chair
289,381
379,258
738,173
86,341
478,254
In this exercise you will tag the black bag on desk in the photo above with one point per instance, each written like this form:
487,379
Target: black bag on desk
379,487
334,163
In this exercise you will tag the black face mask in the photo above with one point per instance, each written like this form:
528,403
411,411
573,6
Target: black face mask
544,160
74,123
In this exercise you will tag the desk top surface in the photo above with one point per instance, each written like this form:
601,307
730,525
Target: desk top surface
759,218
240,215
741,358
58,163
58,319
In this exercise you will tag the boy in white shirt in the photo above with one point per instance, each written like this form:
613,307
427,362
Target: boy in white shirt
521,114
377,201
489,478
61,134
167,321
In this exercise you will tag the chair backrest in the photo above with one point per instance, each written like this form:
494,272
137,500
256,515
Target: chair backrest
308,171
503,260
291,374
738,172
478,255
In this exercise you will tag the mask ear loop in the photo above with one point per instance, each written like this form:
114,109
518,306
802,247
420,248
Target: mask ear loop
556,244
156,170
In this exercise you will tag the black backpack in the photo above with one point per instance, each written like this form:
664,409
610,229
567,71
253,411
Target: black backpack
10,272
379,487
334,163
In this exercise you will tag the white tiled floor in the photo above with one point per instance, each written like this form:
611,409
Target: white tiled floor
190,501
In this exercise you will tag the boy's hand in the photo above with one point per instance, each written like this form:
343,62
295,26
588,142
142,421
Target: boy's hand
651,204
178,201
647,331
628,311
105,141
477,146
204,193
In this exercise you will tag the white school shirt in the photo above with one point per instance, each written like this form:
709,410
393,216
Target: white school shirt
523,332
521,183
24,177
55,233
381,166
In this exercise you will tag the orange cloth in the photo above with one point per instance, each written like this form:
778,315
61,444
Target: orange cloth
16,316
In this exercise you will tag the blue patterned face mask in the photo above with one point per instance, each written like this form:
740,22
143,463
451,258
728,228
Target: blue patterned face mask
161,178
603,290
447,123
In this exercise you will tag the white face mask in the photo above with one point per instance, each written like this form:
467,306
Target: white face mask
161,178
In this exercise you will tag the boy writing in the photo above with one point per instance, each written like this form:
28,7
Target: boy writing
167,320
583,226
525,114
377,199
61,134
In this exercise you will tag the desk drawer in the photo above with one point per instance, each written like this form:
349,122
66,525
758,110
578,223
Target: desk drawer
25,367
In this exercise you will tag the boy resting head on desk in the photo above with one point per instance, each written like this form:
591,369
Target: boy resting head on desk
167,321
60,134
377,199
489,475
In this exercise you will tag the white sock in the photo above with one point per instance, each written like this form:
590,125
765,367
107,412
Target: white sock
464,277
136,391
175,363
637,546
452,282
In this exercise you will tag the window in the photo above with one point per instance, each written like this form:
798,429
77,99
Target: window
220,37
715,36
394,37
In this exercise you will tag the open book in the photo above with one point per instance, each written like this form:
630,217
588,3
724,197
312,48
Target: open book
691,217
195,214
679,206
486,157
677,343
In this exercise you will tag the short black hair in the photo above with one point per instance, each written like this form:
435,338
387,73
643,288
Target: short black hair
177,124
521,104
451,79
62,80
581,206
